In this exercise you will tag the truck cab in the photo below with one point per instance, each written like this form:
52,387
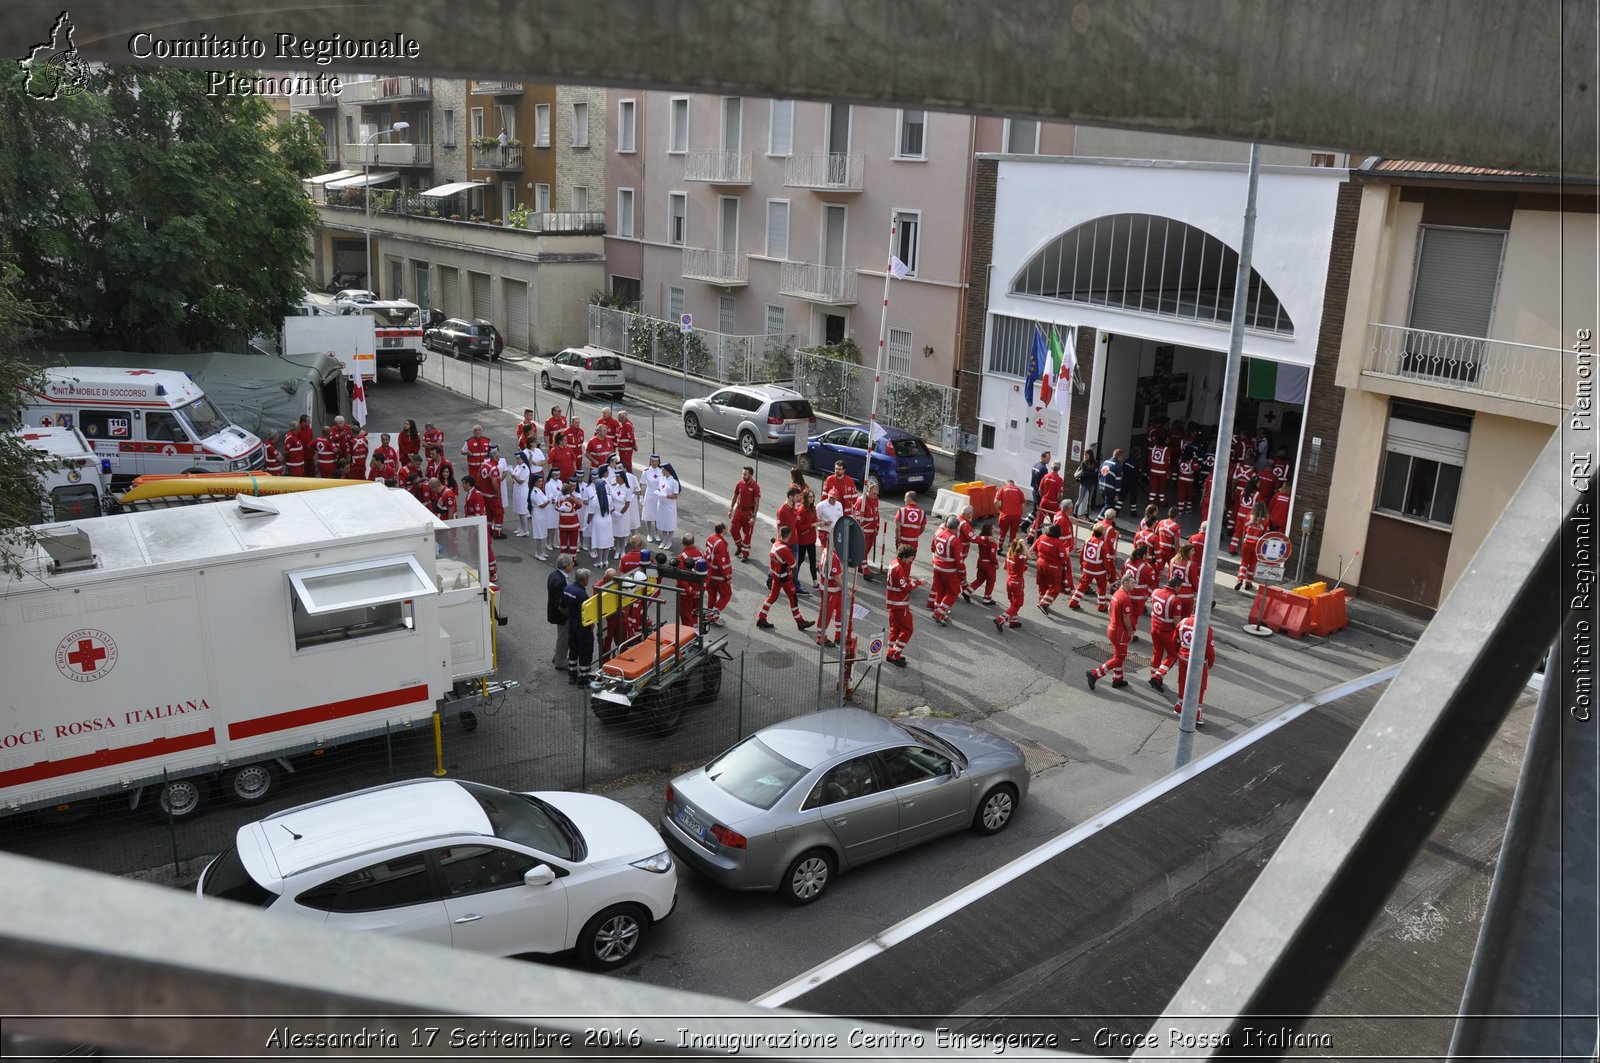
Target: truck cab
398,323
76,481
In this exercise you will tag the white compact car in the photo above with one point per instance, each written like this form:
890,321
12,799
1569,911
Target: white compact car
460,864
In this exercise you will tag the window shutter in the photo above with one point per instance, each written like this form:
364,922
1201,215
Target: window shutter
782,127
1457,271
1448,446
778,230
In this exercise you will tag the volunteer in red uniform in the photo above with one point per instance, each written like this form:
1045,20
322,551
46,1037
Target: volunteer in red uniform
690,559
475,447
556,422
441,499
1093,568
384,453
489,478
1198,539
1119,629
628,443
1146,578
569,519
1147,534
1186,567
432,437
359,446
272,460
1254,528
528,430
1188,470
609,420
867,515
805,536
1009,500
1278,510
909,521
326,450
988,547
600,448
742,512
898,585
1185,650
382,472
409,442
1239,479
1113,541
841,486
1016,585
562,459
781,580
966,537
1168,532
946,570
831,604
1165,612
1281,466
1160,467
296,455
719,574
1052,553
1241,515
1051,487
575,434
473,502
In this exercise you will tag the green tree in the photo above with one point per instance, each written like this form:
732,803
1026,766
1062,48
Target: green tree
21,489
147,213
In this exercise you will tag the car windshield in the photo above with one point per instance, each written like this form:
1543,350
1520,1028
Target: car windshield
754,774
526,820
933,740
792,409
910,447
204,417
396,316
606,362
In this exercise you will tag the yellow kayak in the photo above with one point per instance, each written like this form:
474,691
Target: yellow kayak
146,488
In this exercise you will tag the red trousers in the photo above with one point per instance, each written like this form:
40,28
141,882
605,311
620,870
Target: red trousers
1163,648
1158,486
1098,580
985,577
946,585
901,626
1247,560
786,587
1016,591
871,538
1185,495
1049,582
831,611
569,538
1183,668
1113,666
744,525
1010,528
688,605
294,468
718,594
496,514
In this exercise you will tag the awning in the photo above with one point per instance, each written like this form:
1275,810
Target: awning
363,180
453,187
322,179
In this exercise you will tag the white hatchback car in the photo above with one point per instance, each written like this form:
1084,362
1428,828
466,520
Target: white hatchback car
460,864
584,371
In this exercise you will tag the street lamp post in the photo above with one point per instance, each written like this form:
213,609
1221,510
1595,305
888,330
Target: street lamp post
366,178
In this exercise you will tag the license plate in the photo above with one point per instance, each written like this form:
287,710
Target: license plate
691,826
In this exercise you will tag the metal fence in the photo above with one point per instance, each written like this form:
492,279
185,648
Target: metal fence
712,355
844,390
1468,363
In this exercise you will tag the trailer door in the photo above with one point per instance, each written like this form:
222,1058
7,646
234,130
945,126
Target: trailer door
466,612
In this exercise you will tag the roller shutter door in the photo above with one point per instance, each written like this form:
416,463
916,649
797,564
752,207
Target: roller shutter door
450,291
517,314
481,304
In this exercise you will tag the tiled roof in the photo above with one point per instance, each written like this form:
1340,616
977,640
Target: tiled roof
1445,169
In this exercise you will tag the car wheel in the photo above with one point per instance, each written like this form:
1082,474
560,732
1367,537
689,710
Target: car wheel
612,938
251,783
180,798
544,381
577,390
408,372
461,350
995,810
808,877
747,443
691,426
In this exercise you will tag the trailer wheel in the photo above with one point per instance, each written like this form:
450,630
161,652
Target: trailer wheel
710,681
469,720
251,783
661,711
180,798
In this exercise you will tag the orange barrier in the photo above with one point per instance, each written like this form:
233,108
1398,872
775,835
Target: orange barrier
639,658
981,496
1328,613
1281,610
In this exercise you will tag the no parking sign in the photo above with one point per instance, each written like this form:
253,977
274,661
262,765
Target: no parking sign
875,647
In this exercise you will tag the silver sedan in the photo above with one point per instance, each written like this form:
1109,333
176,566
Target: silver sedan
798,802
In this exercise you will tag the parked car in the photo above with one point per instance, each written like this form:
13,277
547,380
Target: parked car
900,460
795,803
355,295
460,864
464,339
755,416
584,371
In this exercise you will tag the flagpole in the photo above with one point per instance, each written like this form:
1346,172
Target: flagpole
877,369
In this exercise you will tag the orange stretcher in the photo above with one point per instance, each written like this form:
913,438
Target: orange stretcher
637,660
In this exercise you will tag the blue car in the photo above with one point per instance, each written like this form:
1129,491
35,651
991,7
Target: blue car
900,460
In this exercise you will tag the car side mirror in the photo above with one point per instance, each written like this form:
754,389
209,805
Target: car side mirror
955,770
539,875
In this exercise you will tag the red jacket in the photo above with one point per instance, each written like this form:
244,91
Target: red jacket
747,496
600,449
627,442
909,522
1016,569
899,585
866,514
1009,499
845,487
780,560
1092,557
1052,553
1050,487
946,551
719,560
805,525
1124,614
1186,641
1166,609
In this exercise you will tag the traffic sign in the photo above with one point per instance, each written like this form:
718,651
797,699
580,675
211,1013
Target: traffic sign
849,542
1274,548
686,324
875,647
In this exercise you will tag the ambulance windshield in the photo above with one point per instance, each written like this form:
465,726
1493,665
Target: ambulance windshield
204,417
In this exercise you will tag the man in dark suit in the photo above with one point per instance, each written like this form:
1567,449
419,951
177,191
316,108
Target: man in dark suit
1040,467
555,612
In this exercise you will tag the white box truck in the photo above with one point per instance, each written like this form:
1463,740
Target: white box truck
172,652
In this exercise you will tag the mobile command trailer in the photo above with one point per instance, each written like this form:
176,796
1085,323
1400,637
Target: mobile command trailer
166,650
75,480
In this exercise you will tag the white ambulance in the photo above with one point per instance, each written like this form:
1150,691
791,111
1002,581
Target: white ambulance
175,653
143,421
74,476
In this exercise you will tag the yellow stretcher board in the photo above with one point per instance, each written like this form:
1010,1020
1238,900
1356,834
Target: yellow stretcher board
600,605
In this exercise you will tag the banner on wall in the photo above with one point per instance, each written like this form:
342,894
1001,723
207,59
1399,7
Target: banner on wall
1042,430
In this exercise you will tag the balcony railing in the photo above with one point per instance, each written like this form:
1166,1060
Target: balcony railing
498,88
825,170
498,158
1494,368
309,100
388,89
727,268
833,285
717,167
381,154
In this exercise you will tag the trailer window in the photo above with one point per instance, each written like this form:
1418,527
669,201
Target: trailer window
356,601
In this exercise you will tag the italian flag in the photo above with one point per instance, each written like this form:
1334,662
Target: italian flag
1057,378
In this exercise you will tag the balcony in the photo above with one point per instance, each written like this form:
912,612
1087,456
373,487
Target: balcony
493,157
825,171
717,167
1492,368
311,101
725,268
388,90
497,88
382,154
833,285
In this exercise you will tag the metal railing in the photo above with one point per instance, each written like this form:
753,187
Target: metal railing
494,157
498,88
388,154
387,201
717,167
834,285
715,267
715,356
1496,368
832,171
844,389
388,88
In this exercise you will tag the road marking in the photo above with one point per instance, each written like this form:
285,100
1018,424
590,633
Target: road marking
915,924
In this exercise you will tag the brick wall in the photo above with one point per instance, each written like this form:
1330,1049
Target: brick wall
1324,399
985,184
579,166
1078,419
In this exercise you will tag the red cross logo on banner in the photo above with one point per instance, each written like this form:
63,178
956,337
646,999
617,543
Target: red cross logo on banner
142,372
86,655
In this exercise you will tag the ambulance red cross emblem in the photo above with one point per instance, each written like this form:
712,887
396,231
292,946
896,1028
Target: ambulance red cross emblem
86,655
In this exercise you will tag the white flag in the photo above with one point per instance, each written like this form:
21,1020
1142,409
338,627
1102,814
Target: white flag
358,404
898,268
875,431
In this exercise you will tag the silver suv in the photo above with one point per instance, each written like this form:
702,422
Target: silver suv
755,416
